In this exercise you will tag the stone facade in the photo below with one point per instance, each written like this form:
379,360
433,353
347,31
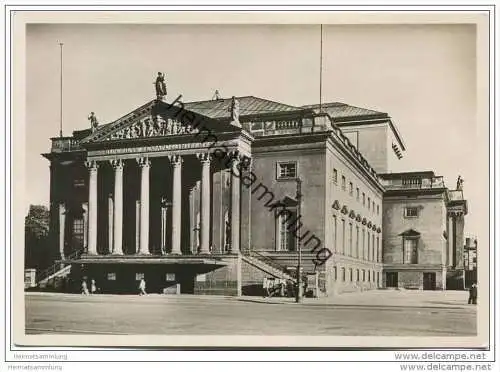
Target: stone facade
418,236
186,195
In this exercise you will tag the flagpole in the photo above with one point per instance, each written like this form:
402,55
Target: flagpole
61,92
320,67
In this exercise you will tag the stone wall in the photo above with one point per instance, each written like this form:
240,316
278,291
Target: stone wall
410,280
372,143
413,278
252,278
349,251
222,281
311,170
430,223
338,282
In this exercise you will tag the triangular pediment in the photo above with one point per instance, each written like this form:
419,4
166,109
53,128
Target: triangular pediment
156,119
410,233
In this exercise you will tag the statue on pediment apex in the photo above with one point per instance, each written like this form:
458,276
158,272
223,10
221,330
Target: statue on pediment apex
161,87
460,183
93,121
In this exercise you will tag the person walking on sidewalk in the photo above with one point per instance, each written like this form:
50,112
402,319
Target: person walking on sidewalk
142,288
85,289
265,287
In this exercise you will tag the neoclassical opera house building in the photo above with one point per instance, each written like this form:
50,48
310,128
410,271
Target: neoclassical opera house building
181,193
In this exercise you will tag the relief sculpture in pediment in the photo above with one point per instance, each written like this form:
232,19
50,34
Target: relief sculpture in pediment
155,126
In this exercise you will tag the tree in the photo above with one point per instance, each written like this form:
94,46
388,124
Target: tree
36,235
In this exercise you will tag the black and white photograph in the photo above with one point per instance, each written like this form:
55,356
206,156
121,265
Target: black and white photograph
252,183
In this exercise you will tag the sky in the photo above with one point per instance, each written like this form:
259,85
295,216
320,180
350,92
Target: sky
424,76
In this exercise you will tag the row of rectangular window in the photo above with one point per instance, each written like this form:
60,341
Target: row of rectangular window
371,204
374,240
370,274
288,170
139,276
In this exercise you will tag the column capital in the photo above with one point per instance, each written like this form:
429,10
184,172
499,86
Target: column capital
246,163
143,161
117,164
203,157
455,213
234,156
238,159
176,160
92,165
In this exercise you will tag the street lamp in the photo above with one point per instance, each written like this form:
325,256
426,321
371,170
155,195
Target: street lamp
298,292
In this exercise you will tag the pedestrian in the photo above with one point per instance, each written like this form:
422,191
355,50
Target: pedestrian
142,288
93,287
473,294
85,290
290,288
271,287
282,287
265,287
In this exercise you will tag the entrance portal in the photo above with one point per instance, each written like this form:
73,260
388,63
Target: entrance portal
430,281
391,280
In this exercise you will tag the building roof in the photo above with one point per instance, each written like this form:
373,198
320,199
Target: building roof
398,175
342,111
343,114
249,105
219,109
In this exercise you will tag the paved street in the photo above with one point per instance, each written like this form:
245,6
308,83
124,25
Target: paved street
381,313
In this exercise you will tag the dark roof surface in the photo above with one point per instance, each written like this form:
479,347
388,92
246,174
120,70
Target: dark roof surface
253,106
339,110
249,105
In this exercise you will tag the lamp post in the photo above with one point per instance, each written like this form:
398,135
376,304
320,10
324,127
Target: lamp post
298,292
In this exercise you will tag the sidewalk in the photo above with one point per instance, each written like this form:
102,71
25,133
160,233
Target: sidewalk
373,298
381,298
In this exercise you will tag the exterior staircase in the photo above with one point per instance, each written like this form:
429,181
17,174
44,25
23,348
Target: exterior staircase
268,266
284,267
57,270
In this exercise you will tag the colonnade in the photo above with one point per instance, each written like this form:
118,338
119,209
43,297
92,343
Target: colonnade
116,207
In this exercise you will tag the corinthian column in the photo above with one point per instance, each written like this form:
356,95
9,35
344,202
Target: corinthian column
176,161
205,203
85,207
145,164
235,206
451,239
118,207
110,223
92,166
62,228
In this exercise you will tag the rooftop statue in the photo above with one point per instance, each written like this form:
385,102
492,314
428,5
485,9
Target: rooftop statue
235,111
216,96
161,87
93,121
460,183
